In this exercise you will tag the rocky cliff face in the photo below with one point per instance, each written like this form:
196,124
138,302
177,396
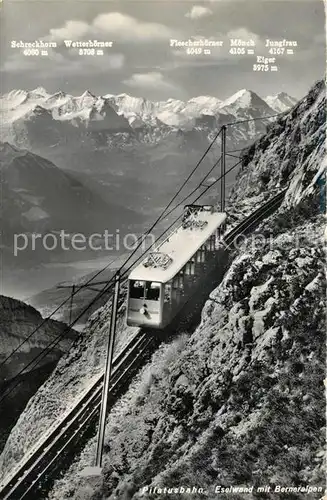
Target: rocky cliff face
18,320
291,154
240,401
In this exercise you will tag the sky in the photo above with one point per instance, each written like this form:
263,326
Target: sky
142,63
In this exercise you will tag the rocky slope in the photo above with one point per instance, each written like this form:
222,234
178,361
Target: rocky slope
17,321
239,402
294,153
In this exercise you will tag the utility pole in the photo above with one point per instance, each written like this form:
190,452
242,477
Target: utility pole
71,305
107,374
97,469
223,168
73,288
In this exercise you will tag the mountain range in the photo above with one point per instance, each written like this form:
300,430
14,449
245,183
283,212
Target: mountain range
130,144
122,112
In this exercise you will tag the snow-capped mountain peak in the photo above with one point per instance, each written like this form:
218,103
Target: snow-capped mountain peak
281,101
244,99
243,96
40,91
203,104
88,94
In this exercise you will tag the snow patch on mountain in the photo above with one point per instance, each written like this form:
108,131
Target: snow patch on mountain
280,102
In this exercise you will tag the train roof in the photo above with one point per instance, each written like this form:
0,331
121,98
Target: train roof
162,264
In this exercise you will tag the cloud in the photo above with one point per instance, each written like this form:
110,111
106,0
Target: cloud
68,65
71,30
99,65
152,80
321,39
119,27
17,62
116,61
198,11
244,34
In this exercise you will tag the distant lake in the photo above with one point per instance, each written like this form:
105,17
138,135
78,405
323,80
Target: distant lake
23,283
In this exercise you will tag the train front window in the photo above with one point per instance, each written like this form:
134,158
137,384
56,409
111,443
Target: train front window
137,289
152,290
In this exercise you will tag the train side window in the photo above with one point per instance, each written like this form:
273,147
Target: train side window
175,282
190,267
208,245
200,255
137,289
203,253
212,242
167,295
216,239
152,291
181,279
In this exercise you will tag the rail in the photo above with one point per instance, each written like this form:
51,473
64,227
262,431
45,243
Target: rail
33,467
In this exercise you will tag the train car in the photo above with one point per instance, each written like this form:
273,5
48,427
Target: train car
161,284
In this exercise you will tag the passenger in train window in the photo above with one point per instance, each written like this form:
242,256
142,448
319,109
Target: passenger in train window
137,289
152,290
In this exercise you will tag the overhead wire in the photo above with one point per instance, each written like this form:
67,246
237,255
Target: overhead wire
55,341
118,258
232,156
255,119
44,352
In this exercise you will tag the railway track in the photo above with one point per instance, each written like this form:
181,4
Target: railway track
34,468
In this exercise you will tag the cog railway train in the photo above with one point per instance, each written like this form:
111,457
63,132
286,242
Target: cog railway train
165,280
